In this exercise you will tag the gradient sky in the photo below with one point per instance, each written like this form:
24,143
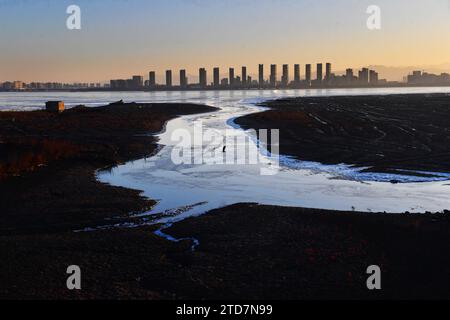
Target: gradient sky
124,37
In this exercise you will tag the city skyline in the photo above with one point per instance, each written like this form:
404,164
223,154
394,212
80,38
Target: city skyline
401,73
302,78
125,37
264,79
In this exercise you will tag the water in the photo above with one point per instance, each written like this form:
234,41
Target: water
186,190
36,100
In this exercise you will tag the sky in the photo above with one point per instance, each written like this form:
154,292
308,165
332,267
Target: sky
120,38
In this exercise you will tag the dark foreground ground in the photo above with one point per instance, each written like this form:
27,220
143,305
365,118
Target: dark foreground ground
409,132
246,251
48,163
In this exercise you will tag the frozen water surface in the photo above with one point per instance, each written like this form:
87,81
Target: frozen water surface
194,189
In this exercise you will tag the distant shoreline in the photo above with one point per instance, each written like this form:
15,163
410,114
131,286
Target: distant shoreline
176,88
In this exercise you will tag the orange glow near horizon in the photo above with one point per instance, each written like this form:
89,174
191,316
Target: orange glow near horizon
123,39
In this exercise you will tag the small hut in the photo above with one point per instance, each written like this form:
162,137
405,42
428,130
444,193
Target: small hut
54,106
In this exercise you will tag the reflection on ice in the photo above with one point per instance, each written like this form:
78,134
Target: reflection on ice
350,172
297,183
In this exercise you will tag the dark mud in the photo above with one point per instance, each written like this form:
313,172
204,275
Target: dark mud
48,163
385,133
245,252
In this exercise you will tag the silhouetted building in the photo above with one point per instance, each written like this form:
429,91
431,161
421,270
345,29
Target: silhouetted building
202,77
363,76
216,77
373,77
19,85
415,78
297,73
285,76
231,76
349,77
319,73
183,79
424,78
8,85
328,72
121,84
349,73
273,75
129,84
308,74
445,77
152,79
261,75
137,82
169,78
244,76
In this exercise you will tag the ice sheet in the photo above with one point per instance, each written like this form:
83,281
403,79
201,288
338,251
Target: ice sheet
299,184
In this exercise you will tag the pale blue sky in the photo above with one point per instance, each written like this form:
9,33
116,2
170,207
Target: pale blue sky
124,37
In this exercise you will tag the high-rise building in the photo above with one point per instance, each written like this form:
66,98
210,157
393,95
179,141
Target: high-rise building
152,78
18,85
319,73
373,77
183,79
297,73
202,77
415,77
273,75
285,76
328,72
308,74
129,83
119,84
425,78
169,78
244,76
349,75
231,76
261,75
138,82
216,80
364,76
